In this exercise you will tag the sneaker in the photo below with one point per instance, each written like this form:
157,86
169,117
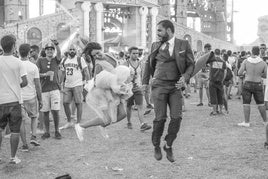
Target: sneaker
66,126
79,132
57,135
129,125
244,124
200,104
25,148
213,113
145,127
33,141
14,160
45,135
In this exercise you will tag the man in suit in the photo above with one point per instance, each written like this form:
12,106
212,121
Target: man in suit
170,63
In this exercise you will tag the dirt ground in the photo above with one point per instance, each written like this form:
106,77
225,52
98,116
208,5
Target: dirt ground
206,147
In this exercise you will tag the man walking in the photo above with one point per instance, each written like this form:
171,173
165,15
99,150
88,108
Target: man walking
135,70
31,95
73,68
48,69
12,79
170,63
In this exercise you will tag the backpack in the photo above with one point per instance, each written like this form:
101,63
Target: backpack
79,66
229,74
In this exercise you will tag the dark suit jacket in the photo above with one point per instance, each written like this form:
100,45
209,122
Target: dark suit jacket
183,55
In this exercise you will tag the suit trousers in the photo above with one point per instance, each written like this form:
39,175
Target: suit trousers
166,96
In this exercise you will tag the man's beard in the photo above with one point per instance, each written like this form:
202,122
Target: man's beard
72,54
165,38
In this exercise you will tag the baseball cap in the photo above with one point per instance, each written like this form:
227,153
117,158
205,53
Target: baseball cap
49,45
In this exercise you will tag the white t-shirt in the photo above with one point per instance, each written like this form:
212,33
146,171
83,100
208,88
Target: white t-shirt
231,60
29,92
11,71
73,72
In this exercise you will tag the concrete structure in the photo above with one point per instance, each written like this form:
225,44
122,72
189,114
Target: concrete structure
112,23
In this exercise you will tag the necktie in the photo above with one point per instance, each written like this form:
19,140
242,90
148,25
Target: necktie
167,47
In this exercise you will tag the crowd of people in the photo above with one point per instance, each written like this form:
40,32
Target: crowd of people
35,84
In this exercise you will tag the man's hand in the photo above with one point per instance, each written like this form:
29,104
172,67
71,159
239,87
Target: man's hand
55,42
181,83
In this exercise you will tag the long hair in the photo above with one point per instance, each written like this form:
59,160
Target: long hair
88,49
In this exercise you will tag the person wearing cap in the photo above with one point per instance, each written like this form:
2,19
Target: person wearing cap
48,69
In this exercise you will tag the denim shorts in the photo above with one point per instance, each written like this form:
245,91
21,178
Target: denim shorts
10,113
30,109
51,101
255,89
75,93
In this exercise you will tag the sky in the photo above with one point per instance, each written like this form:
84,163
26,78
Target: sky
245,17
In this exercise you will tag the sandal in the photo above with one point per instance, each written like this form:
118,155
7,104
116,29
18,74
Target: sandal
266,145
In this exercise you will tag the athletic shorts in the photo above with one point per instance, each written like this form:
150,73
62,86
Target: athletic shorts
51,101
255,89
75,93
136,98
29,109
10,113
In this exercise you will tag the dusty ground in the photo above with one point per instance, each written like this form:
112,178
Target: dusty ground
206,147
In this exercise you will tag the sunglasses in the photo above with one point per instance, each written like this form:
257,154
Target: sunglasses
72,49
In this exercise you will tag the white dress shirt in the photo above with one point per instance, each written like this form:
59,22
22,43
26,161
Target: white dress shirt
171,43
